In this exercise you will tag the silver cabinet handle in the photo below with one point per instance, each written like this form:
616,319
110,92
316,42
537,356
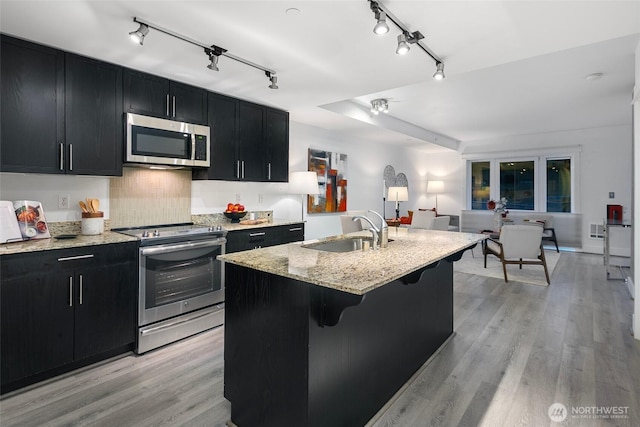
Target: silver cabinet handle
70,157
81,289
243,169
71,258
256,234
167,105
295,229
269,171
70,291
61,156
238,169
174,105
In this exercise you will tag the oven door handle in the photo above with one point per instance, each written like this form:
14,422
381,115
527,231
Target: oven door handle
163,249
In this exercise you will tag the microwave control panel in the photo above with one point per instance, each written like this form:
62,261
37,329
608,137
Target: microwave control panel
200,152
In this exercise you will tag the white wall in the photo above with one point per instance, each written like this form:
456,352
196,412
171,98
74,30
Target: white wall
636,189
605,166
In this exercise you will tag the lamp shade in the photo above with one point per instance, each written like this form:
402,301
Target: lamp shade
435,187
398,194
303,183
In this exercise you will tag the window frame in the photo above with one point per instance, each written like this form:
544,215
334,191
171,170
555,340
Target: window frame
539,158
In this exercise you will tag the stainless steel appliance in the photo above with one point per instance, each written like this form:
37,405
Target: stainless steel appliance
155,141
180,281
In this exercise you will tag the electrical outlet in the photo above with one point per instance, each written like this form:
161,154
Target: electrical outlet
63,201
260,198
612,195
238,198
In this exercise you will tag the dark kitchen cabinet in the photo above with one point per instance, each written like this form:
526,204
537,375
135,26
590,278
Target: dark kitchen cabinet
77,305
277,145
93,117
32,114
249,142
159,97
61,113
260,237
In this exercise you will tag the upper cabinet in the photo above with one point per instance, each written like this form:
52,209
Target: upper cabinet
159,97
249,142
61,113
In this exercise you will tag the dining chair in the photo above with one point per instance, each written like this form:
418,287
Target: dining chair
548,230
422,219
517,244
440,223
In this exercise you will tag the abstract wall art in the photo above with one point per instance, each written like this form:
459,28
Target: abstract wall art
331,169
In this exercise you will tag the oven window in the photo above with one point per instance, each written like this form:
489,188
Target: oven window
178,276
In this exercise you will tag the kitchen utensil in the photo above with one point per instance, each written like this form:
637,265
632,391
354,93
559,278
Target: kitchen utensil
95,205
83,206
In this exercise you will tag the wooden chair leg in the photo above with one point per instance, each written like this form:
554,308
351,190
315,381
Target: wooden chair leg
520,263
504,268
544,264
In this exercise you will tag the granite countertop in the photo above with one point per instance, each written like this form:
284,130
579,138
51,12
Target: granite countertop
50,244
356,272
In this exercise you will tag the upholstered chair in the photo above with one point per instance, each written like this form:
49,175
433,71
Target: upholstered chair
548,231
349,225
518,244
422,219
440,223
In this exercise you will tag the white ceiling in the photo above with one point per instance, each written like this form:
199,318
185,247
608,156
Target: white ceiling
513,67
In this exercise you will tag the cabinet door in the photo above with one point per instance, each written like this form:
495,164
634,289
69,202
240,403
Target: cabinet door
251,148
223,128
93,114
292,233
188,103
36,320
277,139
105,309
32,113
146,94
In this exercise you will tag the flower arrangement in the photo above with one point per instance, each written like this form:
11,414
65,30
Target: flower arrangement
498,206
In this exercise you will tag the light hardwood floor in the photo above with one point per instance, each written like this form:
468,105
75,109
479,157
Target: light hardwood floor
518,348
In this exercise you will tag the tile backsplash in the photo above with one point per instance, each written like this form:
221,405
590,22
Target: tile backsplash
149,197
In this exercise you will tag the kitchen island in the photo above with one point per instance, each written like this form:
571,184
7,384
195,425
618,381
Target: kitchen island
317,338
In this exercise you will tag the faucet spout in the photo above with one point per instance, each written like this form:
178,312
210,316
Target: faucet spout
374,230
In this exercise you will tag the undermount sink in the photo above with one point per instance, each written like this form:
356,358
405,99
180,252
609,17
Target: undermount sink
345,245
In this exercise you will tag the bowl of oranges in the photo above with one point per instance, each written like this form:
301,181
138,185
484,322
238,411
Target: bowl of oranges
235,212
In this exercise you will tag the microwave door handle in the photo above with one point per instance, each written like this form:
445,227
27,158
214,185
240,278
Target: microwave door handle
168,105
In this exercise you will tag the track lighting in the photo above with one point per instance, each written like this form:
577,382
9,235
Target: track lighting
406,38
273,79
138,35
378,105
439,74
381,26
213,52
403,46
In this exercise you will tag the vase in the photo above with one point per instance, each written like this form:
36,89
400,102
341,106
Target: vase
497,221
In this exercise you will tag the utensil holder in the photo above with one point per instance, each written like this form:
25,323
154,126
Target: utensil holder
92,223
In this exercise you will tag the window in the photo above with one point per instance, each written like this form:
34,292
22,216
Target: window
517,184
532,183
558,185
480,179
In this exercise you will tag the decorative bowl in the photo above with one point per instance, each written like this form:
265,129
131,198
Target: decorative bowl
235,216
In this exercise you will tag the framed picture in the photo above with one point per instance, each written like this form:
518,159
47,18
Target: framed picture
331,169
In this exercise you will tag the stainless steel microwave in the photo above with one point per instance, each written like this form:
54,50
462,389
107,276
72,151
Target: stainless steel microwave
155,141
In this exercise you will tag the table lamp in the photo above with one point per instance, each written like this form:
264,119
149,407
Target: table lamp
435,187
398,194
303,183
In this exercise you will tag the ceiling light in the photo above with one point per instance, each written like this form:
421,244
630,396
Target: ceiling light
378,105
381,26
212,51
403,46
138,35
439,74
273,79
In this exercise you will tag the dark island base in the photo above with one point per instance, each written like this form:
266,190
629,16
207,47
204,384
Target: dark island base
298,354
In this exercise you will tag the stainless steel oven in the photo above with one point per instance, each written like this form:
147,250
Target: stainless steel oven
180,281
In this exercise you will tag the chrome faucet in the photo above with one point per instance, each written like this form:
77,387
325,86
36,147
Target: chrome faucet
374,230
383,231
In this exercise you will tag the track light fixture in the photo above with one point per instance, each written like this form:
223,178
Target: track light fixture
381,26
138,35
273,79
406,38
439,74
378,105
213,52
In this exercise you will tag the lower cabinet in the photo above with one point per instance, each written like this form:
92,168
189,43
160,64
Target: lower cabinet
62,307
243,240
